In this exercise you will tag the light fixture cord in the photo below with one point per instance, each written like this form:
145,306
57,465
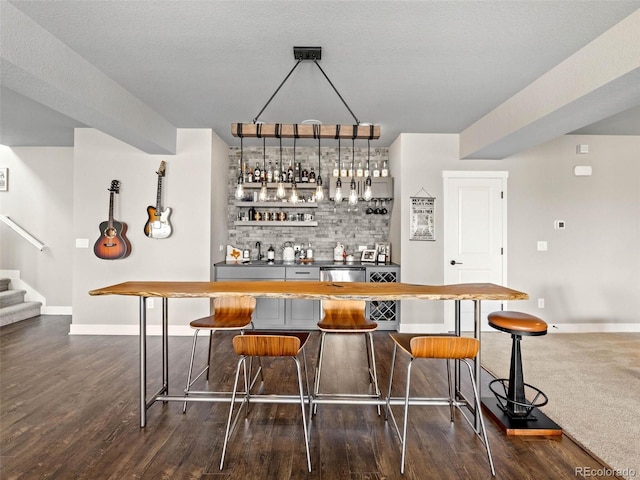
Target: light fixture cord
277,90
337,92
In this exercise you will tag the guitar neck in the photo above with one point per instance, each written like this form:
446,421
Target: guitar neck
111,209
158,195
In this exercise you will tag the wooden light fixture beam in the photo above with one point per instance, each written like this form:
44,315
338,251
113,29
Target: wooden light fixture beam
268,130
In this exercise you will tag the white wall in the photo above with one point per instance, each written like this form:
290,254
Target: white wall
591,273
40,199
185,255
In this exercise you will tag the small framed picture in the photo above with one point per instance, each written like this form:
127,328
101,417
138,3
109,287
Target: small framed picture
368,256
4,179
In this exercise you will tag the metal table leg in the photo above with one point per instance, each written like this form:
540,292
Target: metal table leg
143,362
165,346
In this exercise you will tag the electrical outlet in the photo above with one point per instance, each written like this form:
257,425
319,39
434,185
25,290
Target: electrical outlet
542,246
361,248
149,302
541,303
296,248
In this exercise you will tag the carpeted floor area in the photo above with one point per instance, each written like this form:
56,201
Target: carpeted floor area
593,384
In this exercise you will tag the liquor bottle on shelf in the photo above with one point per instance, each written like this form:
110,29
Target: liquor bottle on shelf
367,172
276,174
385,169
304,175
270,173
343,170
376,170
296,173
257,175
312,176
336,171
249,178
290,173
359,171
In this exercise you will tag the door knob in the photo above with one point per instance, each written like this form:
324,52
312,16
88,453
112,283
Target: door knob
453,262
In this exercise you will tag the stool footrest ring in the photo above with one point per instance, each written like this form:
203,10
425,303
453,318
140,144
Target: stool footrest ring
504,401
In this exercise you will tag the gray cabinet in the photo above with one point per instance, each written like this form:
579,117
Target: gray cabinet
269,312
302,313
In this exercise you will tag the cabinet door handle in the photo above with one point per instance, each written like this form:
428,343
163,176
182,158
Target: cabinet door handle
303,273
453,262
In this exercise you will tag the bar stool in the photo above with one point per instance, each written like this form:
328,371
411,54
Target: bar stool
265,344
444,347
347,316
230,313
511,397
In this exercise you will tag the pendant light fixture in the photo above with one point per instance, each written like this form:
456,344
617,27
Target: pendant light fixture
319,189
293,198
280,191
353,193
239,188
367,183
337,196
262,196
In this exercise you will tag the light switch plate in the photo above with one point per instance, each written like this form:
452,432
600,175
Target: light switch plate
542,246
82,243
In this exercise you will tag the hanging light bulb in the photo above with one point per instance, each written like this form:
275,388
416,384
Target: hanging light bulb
239,188
337,196
319,189
280,191
353,194
367,183
262,196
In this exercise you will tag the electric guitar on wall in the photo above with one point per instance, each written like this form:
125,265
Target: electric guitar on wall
158,225
112,244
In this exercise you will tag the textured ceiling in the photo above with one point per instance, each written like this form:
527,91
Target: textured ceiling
410,66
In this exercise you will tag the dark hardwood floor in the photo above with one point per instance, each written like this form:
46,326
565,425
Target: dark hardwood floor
69,410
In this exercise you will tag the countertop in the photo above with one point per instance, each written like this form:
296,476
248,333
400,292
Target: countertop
315,263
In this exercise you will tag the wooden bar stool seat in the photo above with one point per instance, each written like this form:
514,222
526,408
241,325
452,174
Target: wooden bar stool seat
347,316
269,344
436,347
511,393
230,314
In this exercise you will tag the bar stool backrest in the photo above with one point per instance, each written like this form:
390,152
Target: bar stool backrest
266,345
444,347
345,311
236,306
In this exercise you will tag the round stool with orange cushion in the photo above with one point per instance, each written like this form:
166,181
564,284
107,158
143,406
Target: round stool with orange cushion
512,398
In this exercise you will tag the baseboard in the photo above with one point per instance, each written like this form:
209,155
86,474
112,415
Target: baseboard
56,310
103,329
593,328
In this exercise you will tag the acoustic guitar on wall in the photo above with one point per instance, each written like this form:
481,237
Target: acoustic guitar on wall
158,225
112,244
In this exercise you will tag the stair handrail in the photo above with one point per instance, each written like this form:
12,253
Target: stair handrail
22,232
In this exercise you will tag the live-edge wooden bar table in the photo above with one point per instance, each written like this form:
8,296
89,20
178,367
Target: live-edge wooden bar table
475,292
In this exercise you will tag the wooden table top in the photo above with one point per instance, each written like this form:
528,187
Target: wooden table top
314,290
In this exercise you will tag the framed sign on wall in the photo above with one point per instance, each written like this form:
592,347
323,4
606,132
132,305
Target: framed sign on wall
423,222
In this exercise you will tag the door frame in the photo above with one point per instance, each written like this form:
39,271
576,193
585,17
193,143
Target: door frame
503,175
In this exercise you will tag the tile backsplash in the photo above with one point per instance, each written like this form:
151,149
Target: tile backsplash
351,226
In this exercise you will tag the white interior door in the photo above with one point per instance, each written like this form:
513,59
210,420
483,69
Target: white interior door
475,237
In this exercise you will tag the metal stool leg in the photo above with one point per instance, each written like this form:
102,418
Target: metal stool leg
316,382
393,364
451,389
188,386
227,434
479,413
304,419
373,372
406,416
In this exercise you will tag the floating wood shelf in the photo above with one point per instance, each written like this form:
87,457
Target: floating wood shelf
240,203
287,130
270,223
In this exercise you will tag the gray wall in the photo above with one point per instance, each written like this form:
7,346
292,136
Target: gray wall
40,200
185,255
591,272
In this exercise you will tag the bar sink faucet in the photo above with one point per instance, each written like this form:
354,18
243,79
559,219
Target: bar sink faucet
260,255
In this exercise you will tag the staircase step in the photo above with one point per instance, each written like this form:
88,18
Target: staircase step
11,297
4,284
20,311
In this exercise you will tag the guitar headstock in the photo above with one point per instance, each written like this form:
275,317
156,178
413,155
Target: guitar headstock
161,169
115,186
